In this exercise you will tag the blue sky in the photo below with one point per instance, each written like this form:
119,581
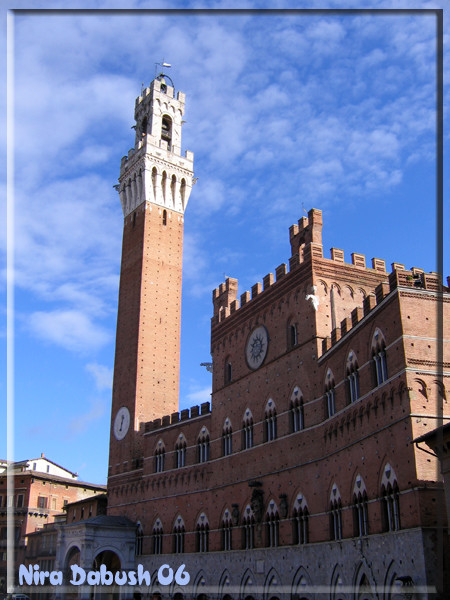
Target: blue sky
283,111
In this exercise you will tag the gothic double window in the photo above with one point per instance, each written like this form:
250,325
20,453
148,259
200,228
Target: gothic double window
390,500
178,536
379,358
248,529
157,537
270,422
180,452
297,417
335,514
272,526
352,378
391,508
202,534
160,454
330,395
203,446
227,434
227,531
360,513
247,430
300,521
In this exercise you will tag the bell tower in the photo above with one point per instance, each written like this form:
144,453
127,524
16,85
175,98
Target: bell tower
154,187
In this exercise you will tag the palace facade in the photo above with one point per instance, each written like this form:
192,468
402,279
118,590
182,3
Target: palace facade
300,479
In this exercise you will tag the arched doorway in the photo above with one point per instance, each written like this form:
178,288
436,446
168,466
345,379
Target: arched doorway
73,557
112,564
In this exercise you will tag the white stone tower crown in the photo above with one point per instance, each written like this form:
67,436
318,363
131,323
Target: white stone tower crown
154,170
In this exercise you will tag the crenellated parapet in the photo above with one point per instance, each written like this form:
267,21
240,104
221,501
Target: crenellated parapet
186,414
399,278
154,170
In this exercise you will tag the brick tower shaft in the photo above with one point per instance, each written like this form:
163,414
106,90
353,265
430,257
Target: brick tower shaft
154,187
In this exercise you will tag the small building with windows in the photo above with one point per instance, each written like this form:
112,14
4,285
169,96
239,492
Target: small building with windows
300,477
43,490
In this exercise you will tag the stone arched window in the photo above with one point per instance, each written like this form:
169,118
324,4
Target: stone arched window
227,531
390,500
270,421
227,434
144,125
272,525
183,192
247,430
166,130
360,513
248,528
300,520
178,535
380,373
173,189
164,184
180,452
157,537
160,455
154,181
335,514
352,377
203,446
330,395
292,334
296,410
202,534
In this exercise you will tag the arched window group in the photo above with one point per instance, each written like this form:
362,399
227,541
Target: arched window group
299,518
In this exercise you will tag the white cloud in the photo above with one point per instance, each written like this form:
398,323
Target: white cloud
78,425
102,374
200,395
70,329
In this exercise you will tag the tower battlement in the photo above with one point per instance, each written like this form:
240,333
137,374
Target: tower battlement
306,246
154,170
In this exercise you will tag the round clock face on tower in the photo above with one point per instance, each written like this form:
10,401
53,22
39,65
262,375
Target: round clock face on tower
256,348
121,423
